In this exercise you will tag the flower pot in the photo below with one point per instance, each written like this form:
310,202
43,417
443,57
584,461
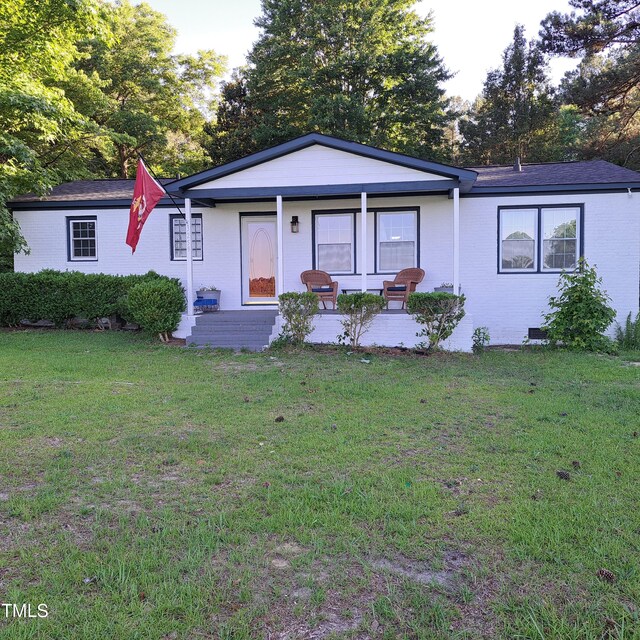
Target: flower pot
208,294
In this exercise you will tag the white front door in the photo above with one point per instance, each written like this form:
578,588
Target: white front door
259,259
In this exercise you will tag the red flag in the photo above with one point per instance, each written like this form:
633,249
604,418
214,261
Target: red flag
146,195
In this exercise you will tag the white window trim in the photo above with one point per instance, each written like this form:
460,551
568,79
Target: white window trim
323,214
70,238
416,226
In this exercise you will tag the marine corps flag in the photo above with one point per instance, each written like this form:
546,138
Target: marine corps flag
146,195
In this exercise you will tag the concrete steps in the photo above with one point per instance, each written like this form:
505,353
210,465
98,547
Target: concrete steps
248,329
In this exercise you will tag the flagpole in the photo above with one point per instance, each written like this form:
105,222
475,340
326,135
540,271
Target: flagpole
155,177
186,214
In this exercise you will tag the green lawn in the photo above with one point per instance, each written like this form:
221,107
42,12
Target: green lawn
157,492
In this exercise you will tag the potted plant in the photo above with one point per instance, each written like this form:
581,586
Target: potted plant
210,293
445,287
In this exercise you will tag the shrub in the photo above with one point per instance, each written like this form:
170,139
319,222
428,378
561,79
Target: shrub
359,310
297,310
59,296
440,313
481,339
156,306
628,336
580,314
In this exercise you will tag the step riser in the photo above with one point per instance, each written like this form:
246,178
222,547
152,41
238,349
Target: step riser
239,314
213,345
230,342
227,325
234,328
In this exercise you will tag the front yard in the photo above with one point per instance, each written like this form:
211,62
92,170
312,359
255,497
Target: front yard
155,492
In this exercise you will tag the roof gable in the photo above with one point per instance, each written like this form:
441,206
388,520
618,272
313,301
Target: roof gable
318,165
316,159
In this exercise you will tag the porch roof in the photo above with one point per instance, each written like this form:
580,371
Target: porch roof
311,192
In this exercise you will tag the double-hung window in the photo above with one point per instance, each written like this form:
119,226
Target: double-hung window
82,240
334,244
539,239
560,238
397,245
179,237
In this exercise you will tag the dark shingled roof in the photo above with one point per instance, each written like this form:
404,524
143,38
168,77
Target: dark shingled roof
87,190
591,172
554,173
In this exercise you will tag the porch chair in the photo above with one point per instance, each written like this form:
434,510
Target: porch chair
405,282
320,283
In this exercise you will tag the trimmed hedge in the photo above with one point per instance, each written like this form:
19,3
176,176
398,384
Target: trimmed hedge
359,311
60,296
156,306
439,314
297,310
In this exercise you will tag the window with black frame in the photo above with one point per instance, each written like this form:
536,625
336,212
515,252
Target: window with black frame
539,239
179,237
397,240
334,242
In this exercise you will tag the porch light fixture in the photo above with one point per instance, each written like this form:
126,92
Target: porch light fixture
295,225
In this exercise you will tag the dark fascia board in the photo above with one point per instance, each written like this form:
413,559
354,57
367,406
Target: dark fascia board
34,205
375,188
297,144
480,192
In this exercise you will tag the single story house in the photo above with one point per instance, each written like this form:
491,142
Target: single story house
499,234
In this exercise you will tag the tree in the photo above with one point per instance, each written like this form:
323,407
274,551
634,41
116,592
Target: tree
359,69
606,85
603,24
42,136
515,110
144,97
231,135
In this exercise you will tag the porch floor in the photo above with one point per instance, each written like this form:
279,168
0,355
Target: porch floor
330,312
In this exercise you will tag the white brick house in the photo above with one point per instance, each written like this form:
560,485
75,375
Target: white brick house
499,235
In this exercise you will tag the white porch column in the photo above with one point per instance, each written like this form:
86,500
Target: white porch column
456,240
187,219
280,232
363,239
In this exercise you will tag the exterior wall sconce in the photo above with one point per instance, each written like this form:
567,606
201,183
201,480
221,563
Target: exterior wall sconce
295,225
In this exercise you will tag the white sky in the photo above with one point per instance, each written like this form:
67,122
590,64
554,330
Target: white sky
470,36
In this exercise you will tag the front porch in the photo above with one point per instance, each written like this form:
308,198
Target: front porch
391,328
357,213
255,329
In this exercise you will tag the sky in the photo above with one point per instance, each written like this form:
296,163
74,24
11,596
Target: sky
470,35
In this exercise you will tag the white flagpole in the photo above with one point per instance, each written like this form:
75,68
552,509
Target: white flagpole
187,219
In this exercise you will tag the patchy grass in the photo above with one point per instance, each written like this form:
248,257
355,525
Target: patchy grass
156,492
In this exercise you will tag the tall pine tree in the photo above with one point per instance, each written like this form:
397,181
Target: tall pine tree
364,70
605,87
515,111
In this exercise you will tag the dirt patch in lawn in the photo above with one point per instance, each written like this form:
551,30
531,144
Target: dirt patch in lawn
423,572
329,623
